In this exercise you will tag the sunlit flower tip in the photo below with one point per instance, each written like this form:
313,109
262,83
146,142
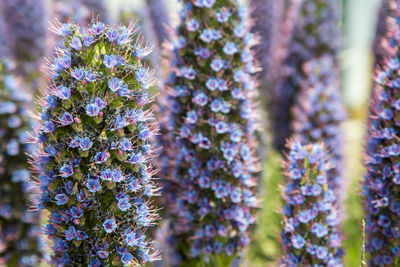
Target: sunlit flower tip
65,30
98,28
112,35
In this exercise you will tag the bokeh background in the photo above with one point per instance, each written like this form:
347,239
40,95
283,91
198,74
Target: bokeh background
359,25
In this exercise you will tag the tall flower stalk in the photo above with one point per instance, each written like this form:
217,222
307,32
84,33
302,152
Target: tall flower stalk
316,33
382,180
211,122
319,112
311,236
93,167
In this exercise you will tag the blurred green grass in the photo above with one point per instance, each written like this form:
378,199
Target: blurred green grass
266,249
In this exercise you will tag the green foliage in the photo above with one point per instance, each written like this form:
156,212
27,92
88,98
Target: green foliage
265,250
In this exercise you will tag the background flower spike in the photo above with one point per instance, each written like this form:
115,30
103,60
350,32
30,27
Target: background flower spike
311,236
210,119
381,183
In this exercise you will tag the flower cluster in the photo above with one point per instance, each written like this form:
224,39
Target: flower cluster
382,180
310,236
316,33
319,111
94,170
211,119
20,240
27,23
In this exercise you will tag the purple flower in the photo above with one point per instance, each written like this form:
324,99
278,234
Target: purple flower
192,25
78,74
76,43
230,48
110,61
217,64
76,212
66,119
90,76
92,110
125,144
98,28
123,204
206,36
123,39
101,157
48,127
136,158
107,175
200,99
93,185
88,40
63,92
141,75
85,143
127,258
66,170
61,199
109,225
116,84
112,35
71,233
212,84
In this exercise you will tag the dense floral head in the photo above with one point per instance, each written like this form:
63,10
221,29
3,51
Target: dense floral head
319,112
20,240
94,169
382,180
211,121
316,33
310,236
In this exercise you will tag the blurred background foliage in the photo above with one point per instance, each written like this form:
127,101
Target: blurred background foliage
359,22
